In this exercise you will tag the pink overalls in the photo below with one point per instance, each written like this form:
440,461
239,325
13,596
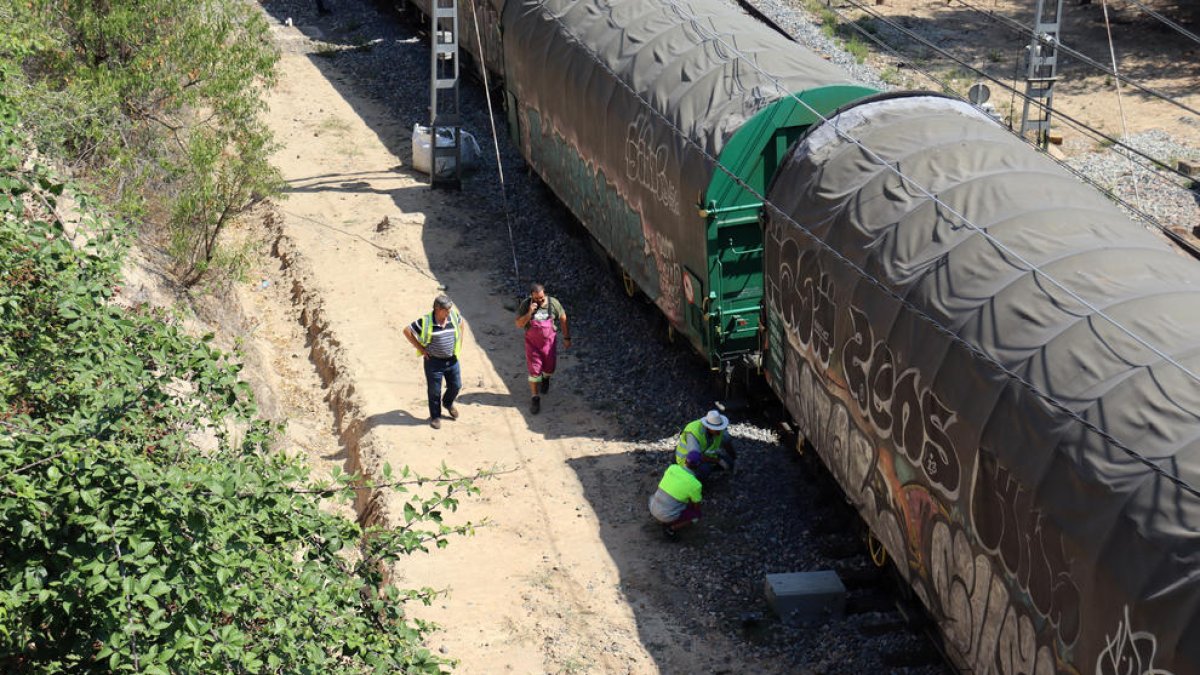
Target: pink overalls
541,350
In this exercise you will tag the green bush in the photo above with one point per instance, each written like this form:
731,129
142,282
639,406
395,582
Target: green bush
156,102
147,524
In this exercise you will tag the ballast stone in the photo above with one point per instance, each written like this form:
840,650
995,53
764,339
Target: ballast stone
806,597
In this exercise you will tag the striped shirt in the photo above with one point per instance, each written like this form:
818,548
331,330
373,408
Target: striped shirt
441,339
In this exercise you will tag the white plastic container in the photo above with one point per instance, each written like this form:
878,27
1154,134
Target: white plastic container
422,151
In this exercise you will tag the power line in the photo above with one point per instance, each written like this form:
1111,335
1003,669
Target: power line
1053,44
1178,239
1078,123
1180,29
696,24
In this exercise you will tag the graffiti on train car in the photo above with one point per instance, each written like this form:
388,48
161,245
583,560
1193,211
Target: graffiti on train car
1129,651
646,164
970,541
991,632
899,405
586,190
670,274
1019,536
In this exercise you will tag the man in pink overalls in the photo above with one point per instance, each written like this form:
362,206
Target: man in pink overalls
537,315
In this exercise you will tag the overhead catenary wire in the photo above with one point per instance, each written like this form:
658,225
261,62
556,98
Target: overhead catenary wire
1084,58
1075,122
1071,121
1179,29
1050,400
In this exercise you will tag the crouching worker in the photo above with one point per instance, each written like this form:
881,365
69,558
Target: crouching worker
676,503
707,436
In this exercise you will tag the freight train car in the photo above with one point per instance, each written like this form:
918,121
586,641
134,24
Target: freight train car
1027,461
625,109
995,363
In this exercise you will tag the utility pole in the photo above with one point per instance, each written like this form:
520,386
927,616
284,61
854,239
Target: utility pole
444,118
1042,73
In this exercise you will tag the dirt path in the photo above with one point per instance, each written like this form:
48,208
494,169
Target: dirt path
345,266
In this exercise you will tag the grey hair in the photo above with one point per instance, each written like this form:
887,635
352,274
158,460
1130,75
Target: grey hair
442,302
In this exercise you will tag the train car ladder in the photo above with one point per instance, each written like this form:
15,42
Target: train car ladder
445,138
1043,72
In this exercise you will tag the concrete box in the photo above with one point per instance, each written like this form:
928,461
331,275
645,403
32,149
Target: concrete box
806,597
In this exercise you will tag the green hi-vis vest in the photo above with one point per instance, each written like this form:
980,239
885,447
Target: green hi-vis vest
697,429
427,331
681,484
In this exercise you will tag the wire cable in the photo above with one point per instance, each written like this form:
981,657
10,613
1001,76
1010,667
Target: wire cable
1180,29
1183,485
1112,52
487,94
1103,136
1178,239
1084,58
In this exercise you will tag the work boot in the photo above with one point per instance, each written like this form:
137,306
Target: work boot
453,412
535,405
435,422
544,387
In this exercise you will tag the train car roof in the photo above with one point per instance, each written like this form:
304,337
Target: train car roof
1097,422
704,65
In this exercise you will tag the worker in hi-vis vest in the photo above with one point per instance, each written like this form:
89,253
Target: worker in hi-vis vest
438,337
676,502
707,436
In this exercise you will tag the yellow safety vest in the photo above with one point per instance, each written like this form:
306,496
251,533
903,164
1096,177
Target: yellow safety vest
427,331
681,484
697,429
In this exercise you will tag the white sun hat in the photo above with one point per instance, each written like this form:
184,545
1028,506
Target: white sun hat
714,421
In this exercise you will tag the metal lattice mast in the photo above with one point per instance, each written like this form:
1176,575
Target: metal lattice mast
444,120
1042,73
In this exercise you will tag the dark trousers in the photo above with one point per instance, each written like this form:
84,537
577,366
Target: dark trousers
435,370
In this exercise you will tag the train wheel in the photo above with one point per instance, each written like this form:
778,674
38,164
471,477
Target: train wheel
876,549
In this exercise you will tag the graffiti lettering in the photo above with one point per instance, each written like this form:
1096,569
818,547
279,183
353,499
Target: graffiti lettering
1129,652
586,190
646,164
898,406
988,631
810,311
1011,529
669,273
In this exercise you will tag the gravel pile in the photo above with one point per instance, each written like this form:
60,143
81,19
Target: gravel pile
623,363
1170,200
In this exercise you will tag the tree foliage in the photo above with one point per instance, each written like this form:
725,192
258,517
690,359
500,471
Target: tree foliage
147,524
158,101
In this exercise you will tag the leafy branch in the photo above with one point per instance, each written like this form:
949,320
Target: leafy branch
126,547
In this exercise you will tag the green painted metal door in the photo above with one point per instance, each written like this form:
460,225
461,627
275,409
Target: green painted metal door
735,274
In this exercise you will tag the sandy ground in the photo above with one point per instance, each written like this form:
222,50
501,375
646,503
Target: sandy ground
1146,50
344,265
